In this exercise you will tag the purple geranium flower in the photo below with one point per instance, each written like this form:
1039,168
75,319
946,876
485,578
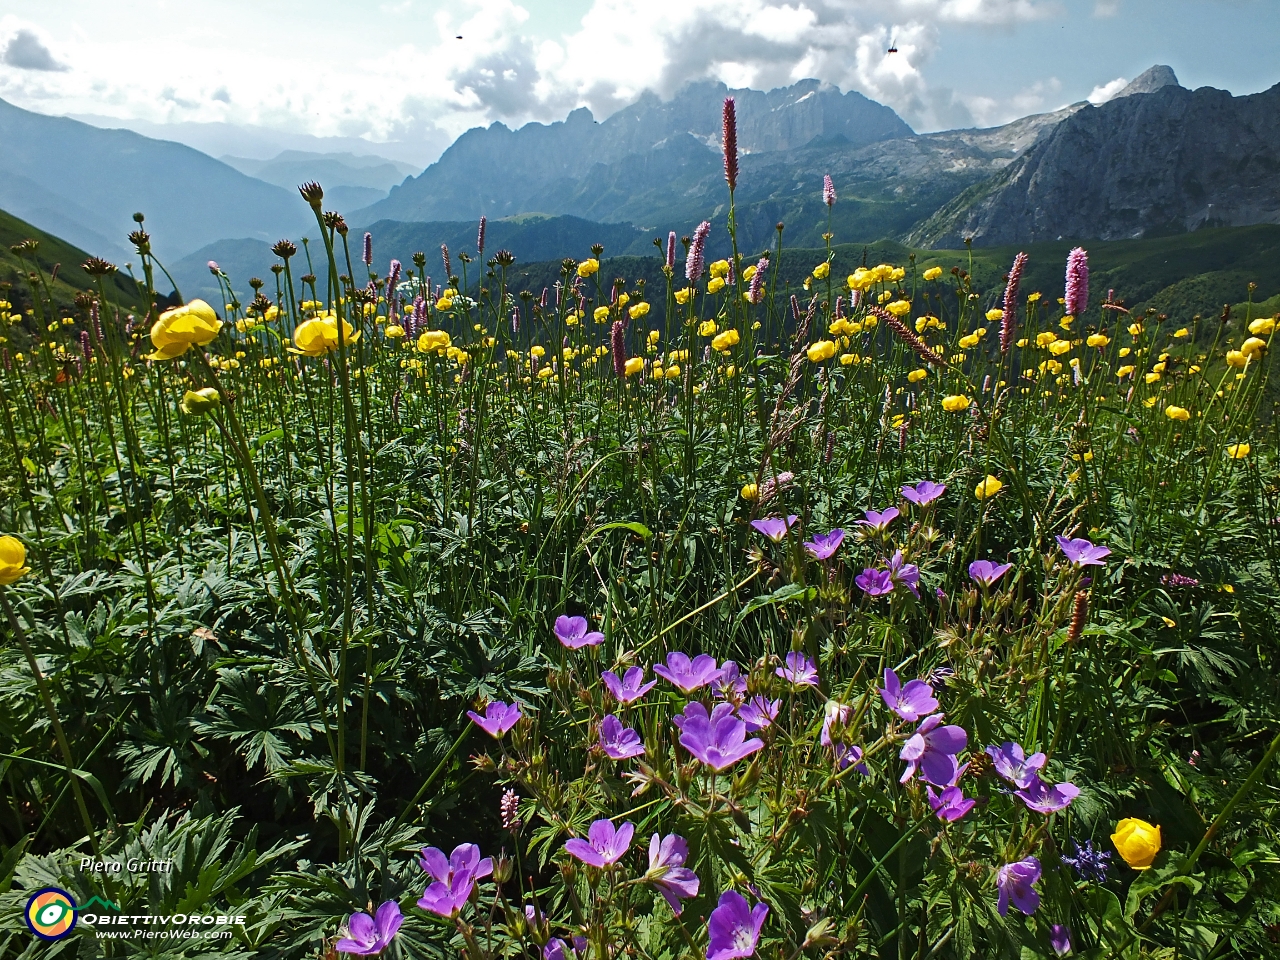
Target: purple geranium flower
932,751
556,949
617,741
1044,798
498,718
838,714
924,492
907,574
1060,939
605,844
1012,763
879,522
800,671
719,739
846,757
874,583
667,871
951,805
775,528
911,702
985,573
464,859
688,675
1014,882
734,927
454,878
1082,553
759,712
368,935
731,684
822,546
572,632
631,687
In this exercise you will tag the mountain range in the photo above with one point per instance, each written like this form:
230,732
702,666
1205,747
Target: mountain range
1156,159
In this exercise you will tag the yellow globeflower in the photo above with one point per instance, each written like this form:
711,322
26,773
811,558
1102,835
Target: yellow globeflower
393,331
719,269
707,328
1135,329
1045,338
654,336
995,314
633,366
899,308
1125,351
1263,326
1238,451
848,359
969,340
587,267
715,284
820,351
444,303
724,341
820,272
682,296
933,273
1125,371
433,340
13,560
1252,346
750,491
1097,340
178,330
988,488
955,403
915,376
319,335
1177,413
1182,332
1137,841
1236,358
601,314
202,401
672,371
638,310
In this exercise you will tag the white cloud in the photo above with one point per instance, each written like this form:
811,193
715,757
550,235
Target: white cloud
425,85
1106,8
1106,91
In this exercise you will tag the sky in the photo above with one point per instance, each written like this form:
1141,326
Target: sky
394,73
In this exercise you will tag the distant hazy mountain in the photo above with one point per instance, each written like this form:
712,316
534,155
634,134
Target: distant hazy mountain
263,143
84,184
292,167
501,172
529,238
1158,163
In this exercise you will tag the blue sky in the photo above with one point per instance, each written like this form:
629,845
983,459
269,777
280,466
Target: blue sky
393,70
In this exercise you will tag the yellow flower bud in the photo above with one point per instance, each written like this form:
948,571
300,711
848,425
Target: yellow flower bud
1177,413
915,376
1137,841
13,560
933,273
988,488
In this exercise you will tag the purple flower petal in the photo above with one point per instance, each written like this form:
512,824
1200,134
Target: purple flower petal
924,492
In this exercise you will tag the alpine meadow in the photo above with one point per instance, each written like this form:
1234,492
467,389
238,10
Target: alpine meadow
785,605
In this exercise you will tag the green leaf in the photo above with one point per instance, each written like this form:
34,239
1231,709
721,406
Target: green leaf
785,594
639,529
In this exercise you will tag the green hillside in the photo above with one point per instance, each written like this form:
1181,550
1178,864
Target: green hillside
71,279
1179,276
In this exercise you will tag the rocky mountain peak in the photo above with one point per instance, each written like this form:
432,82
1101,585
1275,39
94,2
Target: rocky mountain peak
1150,80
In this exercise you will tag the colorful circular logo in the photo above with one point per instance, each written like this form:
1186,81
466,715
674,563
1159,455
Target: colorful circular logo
51,913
